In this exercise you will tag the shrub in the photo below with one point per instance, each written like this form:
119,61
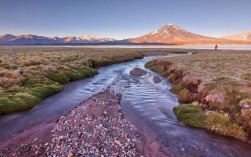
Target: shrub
165,73
66,74
34,89
220,123
151,64
183,96
225,98
190,114
245,103
172,77
177,88
159,69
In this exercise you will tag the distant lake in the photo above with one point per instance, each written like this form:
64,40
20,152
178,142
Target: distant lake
231,47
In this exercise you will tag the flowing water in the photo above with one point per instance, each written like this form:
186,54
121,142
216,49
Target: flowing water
146,104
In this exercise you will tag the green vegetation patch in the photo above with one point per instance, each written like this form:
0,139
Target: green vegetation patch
221,123
177,88
65,74
34,89
183,96
191,115
29,74
151,64
159,69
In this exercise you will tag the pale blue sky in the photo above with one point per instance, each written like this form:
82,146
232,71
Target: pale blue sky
123,18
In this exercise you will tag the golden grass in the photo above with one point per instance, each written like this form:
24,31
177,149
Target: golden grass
29,74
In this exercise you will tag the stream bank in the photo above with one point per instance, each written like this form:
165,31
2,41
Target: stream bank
145,102
213,92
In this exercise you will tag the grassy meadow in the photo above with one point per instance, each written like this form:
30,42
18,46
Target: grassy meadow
213,88
29,74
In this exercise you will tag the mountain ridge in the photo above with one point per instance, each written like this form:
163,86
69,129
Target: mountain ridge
168,35
9,39
246,36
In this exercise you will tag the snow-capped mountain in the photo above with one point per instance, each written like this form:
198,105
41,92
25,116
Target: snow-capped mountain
89,38
168,34
243,36
9,39
172,34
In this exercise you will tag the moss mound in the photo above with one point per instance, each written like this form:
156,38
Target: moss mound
183,96
177,88
159,69
66,74
151,64
191,115
34,89
221,123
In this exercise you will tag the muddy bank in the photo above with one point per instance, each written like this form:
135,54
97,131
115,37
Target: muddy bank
95,127
216,98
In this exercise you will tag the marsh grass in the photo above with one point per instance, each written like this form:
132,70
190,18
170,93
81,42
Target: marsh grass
191,115
177,88
29,74
22,67
220,122
33,90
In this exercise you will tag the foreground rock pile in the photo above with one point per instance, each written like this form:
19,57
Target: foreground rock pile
95,128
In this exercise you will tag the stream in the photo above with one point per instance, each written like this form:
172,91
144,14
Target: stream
148,105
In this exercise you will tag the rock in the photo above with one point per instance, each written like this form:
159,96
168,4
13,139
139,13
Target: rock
218,99
105,112
82,133
119,109
195,97
191,83
117,142
156,79
205,87
138,72
70,154
245,104
105,151
217,96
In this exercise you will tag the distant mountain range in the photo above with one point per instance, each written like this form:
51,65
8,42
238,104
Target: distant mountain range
243,36
9,39
168,34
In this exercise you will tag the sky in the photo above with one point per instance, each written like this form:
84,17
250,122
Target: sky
122,19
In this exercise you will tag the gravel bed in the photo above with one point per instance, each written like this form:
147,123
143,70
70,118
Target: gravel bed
96,127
